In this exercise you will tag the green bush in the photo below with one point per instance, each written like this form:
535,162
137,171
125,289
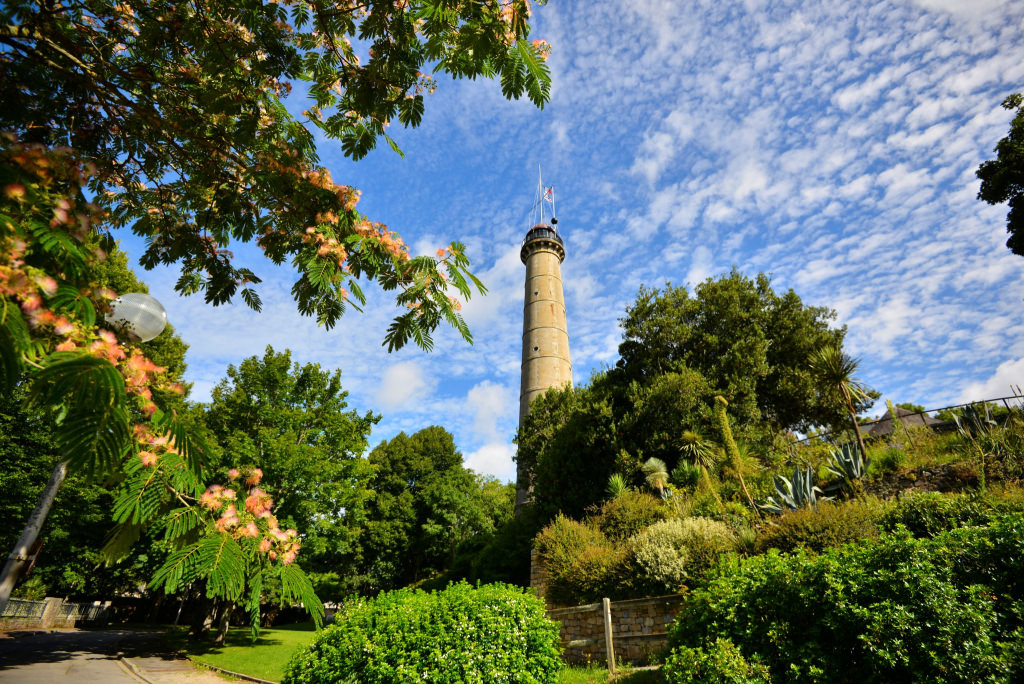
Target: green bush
492,633
898,609
891,460
686,476
927,514
582,564
824,527
721,663
564,539
672,551
629,513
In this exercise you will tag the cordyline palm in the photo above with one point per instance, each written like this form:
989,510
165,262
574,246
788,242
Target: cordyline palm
836,371
657,474
700,452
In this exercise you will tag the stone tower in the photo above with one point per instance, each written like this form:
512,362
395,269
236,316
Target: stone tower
546,361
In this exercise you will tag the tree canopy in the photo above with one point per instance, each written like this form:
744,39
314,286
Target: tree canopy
750,344
425,505
181,111
1002,178
292,422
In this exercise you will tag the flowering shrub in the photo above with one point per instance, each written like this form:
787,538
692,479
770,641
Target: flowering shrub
672,551
490,634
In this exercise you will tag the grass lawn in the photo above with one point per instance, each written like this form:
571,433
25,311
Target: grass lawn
267,657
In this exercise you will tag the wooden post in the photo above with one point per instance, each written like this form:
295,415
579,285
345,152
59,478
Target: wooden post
609,648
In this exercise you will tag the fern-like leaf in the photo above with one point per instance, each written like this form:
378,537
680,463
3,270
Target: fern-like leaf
119,542
222,563
14,341
295,586
180,568
181,521
140,497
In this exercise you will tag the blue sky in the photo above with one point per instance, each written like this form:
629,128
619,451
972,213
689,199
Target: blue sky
830,144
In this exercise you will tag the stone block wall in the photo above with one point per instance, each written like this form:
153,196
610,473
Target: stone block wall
639,629
50,613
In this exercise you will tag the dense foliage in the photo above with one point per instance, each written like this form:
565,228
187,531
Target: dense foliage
1002,178
491,633
750,344
947,609
425,506
180,109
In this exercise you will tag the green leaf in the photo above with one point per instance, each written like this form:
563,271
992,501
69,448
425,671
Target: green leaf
394,146
182,521
295,586
72,301
180,568
14,341
119,542
222,563
189,444
139,498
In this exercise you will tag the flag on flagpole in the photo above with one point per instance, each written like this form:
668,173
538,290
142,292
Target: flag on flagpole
549,195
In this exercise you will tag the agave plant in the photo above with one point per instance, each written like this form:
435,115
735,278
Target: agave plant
800,492
848,464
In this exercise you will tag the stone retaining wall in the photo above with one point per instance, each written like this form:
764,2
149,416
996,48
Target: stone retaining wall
50,613
638,629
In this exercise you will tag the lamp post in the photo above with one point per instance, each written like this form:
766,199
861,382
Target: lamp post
142,317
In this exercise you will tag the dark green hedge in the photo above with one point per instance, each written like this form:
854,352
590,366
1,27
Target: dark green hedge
899,609
491,633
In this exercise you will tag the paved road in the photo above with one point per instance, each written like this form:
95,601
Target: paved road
84,657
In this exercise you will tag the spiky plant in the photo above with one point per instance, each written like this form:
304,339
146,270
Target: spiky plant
800,492
848,464
616,486
695,449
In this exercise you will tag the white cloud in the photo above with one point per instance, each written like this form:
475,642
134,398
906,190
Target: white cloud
402,384
1008,375
490,402
494,459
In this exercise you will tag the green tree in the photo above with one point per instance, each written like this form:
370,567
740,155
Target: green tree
69,544
426,505
1002,178
292,422
748,342
568,447
67,551
179,110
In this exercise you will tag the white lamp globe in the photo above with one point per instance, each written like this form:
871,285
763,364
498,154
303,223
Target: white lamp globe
141,315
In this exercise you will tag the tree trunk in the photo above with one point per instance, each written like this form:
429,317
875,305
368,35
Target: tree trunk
856,425
223,621
203,618
20,555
